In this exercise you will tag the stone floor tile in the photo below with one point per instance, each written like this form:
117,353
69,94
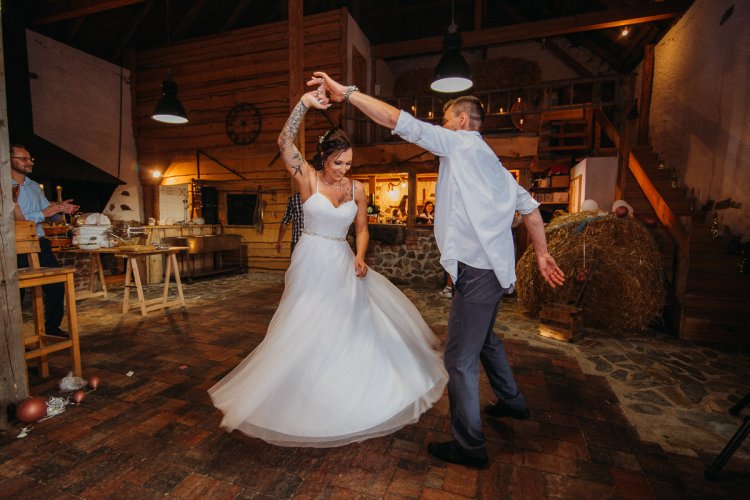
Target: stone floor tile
198,486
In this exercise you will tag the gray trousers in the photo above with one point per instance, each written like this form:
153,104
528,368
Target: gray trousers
471,339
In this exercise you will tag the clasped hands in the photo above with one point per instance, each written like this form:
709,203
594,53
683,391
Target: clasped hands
328,90
64,207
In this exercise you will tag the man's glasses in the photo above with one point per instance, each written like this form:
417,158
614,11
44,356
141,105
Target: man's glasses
24,158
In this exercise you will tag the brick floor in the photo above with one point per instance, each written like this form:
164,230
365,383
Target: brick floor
155,433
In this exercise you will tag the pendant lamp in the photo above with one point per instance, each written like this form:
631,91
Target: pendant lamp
169,109
452,72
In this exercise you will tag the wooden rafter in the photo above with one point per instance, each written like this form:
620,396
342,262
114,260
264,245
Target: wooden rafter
237,12
73,28
54,12
132,27
188,19
566,58
611,18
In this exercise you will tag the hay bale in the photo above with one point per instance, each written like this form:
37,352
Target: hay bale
626,290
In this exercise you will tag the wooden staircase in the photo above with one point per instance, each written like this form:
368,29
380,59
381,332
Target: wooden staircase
564,131
708,295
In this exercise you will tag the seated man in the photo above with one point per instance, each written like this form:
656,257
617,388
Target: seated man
32,205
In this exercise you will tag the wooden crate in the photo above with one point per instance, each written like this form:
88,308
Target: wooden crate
561,321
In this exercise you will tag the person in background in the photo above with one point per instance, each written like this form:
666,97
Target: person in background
448,290
294,215
427,215
478,200
35,207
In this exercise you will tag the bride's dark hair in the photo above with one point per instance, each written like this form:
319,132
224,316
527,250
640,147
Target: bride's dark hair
334,140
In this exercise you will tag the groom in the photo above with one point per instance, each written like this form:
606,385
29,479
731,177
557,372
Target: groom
477,201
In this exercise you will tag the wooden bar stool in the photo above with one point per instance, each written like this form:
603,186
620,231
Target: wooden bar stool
40,345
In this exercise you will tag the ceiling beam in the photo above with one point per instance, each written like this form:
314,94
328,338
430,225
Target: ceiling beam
612,18
567,59
73,28
239,9
135,22
188,19
54,12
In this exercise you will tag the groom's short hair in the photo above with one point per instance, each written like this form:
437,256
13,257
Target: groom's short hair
470,105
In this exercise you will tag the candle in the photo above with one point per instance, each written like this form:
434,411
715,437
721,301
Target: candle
59,194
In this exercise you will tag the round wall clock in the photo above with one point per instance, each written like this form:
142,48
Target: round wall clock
243,123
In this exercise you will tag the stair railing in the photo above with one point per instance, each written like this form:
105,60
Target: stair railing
664,213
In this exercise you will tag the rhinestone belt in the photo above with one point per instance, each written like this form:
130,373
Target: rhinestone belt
323,235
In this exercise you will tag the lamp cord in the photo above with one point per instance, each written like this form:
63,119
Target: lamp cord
119,129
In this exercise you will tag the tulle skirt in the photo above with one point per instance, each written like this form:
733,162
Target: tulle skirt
344,358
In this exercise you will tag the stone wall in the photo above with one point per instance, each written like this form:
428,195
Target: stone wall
700,112
416,262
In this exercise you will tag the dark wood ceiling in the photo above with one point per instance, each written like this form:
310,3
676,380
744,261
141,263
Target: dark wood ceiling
396,28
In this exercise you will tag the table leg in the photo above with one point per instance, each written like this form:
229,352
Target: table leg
92,273
139,286
126,293
167,276
100,270
173,258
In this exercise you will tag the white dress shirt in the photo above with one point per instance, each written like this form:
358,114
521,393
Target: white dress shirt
475,199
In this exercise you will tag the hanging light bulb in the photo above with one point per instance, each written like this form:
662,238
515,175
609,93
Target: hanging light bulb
675,179
625,31
169,109
661,165
452,72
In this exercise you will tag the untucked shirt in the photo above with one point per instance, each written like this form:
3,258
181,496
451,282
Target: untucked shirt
475,199
32,202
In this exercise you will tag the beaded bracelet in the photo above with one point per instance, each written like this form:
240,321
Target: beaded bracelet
349,91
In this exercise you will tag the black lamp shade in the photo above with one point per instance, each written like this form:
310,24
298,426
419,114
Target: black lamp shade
452,73
169,109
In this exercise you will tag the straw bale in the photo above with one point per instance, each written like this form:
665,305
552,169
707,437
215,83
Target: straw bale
626,291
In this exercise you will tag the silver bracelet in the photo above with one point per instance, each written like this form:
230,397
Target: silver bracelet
349,91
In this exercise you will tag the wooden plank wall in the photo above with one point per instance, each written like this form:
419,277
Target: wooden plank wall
214,74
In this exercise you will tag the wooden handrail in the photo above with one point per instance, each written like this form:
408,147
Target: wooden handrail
665,214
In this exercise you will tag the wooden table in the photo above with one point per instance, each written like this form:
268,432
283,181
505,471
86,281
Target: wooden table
133,275
95,270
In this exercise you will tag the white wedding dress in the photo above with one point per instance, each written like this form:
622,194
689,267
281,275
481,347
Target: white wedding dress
344,358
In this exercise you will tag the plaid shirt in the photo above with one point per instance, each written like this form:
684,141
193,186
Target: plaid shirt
294,212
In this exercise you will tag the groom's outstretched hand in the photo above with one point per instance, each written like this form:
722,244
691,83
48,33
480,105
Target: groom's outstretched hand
334,88
552,274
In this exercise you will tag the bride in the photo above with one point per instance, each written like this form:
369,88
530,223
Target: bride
346,356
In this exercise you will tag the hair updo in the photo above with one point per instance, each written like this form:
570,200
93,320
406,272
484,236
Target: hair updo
334,140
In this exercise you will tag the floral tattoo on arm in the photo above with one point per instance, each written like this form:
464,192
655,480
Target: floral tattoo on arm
289,151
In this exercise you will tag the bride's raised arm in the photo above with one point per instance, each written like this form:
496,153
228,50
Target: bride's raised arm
295,164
